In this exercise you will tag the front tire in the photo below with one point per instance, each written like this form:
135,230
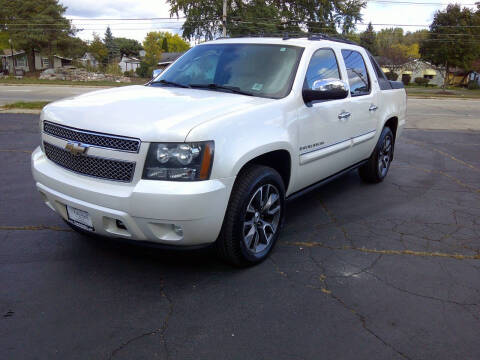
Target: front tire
376,169
254,216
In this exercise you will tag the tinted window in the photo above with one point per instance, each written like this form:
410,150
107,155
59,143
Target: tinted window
260,70
357,73
323,65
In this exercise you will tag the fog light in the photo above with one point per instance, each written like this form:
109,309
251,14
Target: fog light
178,230
120,224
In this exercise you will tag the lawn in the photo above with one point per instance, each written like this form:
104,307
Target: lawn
457,93
31,105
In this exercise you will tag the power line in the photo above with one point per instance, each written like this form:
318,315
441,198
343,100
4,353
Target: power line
415,3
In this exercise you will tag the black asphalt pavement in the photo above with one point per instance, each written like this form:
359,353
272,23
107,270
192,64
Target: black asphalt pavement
387,271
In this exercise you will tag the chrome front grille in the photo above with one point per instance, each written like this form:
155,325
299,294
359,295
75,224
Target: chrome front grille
108,169
113,142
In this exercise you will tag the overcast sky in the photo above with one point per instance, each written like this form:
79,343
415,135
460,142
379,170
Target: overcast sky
376,12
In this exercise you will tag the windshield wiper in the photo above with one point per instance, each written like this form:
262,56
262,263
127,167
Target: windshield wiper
166,82
232,89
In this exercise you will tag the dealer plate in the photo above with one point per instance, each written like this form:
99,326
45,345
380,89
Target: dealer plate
80,218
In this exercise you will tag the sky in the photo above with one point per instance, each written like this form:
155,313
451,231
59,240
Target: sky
84,12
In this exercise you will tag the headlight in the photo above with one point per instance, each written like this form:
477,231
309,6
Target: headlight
179,161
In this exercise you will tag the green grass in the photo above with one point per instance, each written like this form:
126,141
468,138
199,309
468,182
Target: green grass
35,81
31,105
454,93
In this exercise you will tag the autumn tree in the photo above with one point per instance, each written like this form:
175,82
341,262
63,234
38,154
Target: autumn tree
98,49
453,39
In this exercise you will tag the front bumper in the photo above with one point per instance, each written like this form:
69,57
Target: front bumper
148,209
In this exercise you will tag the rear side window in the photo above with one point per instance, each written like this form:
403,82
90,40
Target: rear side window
323,65
357,73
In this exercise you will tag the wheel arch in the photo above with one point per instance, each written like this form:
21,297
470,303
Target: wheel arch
279,159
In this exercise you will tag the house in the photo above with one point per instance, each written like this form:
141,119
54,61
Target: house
418,68
129,63
167,59
18,60
42,61
474,77
89,59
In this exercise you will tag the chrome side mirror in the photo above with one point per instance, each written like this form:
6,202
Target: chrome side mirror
326,89
156,72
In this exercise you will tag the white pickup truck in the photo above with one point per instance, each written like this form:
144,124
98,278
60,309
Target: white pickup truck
210,150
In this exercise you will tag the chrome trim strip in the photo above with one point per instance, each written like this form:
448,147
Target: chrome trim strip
345,144
94,134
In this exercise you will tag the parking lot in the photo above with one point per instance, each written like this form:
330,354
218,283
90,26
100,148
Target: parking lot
388,271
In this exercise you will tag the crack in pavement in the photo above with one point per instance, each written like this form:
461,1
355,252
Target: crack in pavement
385,252
445,154
430,171
161,330
324,288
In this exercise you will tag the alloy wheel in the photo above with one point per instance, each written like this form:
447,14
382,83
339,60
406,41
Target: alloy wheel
262,218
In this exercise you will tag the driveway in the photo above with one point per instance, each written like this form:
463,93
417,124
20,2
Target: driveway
387,271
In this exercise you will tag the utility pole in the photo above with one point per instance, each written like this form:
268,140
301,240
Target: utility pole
224,18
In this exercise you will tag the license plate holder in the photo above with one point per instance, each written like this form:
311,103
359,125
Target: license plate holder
80,218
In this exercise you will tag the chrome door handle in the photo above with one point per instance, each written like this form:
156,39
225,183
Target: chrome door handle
344,115
373,108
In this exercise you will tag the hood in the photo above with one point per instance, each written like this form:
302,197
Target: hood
146,112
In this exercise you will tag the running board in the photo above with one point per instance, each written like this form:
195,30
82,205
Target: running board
324,181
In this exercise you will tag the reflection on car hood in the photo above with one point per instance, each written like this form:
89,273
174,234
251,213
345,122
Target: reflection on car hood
148,113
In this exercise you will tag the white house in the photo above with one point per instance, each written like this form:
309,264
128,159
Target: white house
419,68
129,63
89,59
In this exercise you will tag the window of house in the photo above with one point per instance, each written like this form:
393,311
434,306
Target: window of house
323,65
428,76
357,73
45,62
21,61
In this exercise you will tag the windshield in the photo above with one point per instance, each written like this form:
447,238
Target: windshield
251,69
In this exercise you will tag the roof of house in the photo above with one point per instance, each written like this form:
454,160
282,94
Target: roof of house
8,52
170,56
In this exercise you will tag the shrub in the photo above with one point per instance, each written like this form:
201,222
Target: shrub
473,85
113,69
421,81
391,76
144,70
406,79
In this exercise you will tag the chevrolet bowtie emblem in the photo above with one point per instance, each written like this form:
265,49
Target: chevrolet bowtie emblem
76,148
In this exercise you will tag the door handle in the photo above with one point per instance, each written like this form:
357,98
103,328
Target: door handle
373,108
344,115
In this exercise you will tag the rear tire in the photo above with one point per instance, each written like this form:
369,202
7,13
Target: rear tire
254,216
376,169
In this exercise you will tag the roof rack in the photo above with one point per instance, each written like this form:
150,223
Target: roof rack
287,36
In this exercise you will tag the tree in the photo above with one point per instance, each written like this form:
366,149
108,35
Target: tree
34,25
203,18
165,44
111,46
368,39
98,49
72,47
445,50
153,47
129,47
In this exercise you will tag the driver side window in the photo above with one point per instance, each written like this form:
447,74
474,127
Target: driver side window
323,65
